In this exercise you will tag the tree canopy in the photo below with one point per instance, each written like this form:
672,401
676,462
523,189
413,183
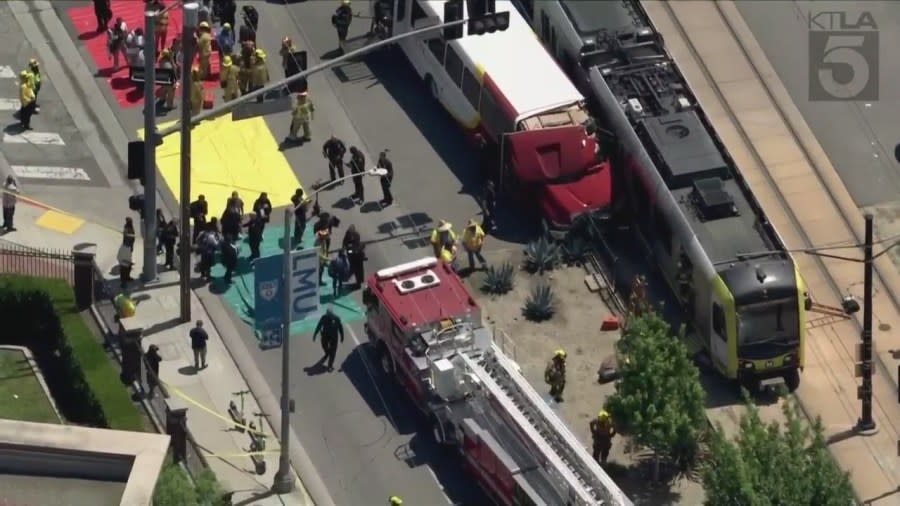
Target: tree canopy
771,464
658,400
174,488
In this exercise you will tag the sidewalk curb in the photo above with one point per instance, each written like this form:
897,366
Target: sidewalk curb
268,402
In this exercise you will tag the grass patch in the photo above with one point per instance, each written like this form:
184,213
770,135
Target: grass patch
21,395
100,375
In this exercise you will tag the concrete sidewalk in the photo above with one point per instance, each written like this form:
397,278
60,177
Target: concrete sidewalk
204,393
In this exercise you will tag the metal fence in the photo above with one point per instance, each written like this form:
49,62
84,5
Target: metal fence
45,263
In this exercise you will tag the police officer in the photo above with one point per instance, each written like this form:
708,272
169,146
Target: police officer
303,114
169,238
333,150
341,19
357,168
387,179
331,328
301,206
229,257
356,255
255,227
167,61
263,207
555,374
602,432
204,49
259,72
489,207
228,78
199,211
196,91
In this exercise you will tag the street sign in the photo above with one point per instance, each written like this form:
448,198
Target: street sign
303,290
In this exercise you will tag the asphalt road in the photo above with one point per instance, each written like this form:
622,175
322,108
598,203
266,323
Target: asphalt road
858,136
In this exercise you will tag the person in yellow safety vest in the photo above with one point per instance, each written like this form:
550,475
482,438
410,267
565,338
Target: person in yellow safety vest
323,241
34,68
473,241
26,99
395,500
555,374
303,114
228,77
204,49
287,53
602,432
259,72
167,61
125,307
196,91
443,238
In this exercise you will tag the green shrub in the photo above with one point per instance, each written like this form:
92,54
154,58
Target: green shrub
40,314
540,304
498,279
174,488
542,255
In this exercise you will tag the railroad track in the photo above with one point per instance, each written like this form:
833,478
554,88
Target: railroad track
794,182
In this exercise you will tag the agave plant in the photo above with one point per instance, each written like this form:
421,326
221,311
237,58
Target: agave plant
575,249
541,255
498,279
540,304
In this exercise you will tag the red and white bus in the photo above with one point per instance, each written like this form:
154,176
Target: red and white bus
506,86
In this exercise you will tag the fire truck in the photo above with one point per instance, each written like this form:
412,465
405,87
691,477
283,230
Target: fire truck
428,333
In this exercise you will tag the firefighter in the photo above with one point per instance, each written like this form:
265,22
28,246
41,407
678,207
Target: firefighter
341,20
246,66
331,328
473,241
555,374
196,91
602,432
323,244
303,114
443,238
228,78
333,150
167,61
204,49
259,72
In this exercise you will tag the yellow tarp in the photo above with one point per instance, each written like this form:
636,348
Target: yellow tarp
228,156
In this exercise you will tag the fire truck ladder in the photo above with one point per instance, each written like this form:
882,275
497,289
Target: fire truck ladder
568,462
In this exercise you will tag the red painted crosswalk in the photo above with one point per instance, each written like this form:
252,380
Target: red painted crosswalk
132,12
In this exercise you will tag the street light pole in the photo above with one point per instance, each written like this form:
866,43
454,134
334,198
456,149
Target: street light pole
150,231
187,62
866,422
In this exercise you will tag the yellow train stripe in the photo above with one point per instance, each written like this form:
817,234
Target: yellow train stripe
229,156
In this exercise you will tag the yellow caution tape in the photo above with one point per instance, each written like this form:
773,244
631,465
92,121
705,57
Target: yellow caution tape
226,419
48,207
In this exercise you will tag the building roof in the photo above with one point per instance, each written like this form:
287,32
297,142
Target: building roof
447,298
517,63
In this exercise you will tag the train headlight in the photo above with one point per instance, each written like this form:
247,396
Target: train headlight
747,366
789,358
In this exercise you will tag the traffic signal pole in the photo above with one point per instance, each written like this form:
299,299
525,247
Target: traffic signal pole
149,273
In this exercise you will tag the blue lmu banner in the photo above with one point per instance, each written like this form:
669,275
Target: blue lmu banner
303,290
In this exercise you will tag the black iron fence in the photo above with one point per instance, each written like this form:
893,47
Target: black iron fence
45,263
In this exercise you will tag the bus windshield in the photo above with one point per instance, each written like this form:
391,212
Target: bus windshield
769,322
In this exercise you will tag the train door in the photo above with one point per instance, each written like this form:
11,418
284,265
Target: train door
718,336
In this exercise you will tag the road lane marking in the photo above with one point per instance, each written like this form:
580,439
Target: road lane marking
43,172
29,137
9,104
6,72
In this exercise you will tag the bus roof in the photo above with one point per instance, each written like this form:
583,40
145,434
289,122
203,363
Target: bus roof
517,63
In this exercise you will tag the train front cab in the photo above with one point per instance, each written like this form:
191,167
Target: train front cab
776,348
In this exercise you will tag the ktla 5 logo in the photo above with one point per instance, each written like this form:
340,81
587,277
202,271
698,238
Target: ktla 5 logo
843,56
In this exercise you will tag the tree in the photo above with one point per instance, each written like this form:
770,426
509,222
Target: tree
773,464
658,398
174,488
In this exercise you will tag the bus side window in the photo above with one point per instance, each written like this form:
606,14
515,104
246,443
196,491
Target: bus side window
401,10
718,321
417,12
471,88
454,66
437,49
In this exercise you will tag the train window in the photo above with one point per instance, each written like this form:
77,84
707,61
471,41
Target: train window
454,66
664,233
417,12
553,41
545,27
401,10
471,88
437,49
718,321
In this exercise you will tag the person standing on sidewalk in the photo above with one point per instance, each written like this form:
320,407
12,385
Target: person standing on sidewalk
10,196
341,20
263,207
199,337
199,210
152,359
301,207
303,113
387,179
473,242
489,207
229,258
128,235
331,328
34,72
125,264
255,227
228,78
356,255
169,238
103,13
27,100
338,270
357,168
333,150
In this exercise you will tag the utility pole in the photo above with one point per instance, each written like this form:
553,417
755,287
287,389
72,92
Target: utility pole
187,62
866,423
149,147
284,479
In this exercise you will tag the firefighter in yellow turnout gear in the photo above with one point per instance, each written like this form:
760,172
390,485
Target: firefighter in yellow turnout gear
303,114
259,72
228,77
443,240
555,374
196,91
167,60
602,432
204,49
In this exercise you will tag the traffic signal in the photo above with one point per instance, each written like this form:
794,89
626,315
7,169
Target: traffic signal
488,23
136,160
453,11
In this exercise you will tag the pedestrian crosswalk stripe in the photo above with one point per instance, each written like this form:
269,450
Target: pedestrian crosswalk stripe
28,137
42,172
9,104
6,72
